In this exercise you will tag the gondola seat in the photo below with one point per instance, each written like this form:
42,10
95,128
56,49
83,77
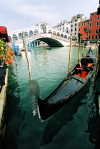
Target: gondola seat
83,74
89,65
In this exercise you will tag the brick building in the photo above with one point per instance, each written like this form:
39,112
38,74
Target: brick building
90,28
94,26
83,28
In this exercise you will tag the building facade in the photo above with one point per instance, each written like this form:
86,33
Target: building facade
83,28
74,26
64,26
94,26
90,28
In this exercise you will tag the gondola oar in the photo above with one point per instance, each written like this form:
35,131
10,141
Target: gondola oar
70,53
33,85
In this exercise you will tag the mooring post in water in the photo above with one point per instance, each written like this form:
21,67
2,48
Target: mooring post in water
70,53
97,66
27,55
79,35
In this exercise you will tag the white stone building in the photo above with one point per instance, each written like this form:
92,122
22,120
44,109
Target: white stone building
64,26
74,25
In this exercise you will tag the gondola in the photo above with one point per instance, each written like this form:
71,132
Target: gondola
68,88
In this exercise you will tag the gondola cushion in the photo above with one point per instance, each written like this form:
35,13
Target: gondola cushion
89,64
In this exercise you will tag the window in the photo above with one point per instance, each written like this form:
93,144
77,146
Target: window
79,24
71,30
92,37
71,25
84,29
75,33
79,30
71,21
75,20
90,24
89,31
92,14
98,18
89,37
84,24
75,24
75,29
97,23
90,19
96,37
96,30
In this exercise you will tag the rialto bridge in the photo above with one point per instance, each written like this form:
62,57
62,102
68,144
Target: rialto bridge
41,32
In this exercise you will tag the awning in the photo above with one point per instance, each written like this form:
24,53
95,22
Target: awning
4,34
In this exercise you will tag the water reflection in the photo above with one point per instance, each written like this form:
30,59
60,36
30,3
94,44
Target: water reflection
62,117
15,116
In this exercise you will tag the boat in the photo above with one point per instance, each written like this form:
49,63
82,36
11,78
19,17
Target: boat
68,88
48,47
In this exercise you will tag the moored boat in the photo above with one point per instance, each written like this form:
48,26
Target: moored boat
68,88
48,47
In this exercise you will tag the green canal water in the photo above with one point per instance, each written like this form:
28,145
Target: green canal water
72,127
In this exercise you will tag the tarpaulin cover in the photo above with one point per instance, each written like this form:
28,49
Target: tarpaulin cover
4,33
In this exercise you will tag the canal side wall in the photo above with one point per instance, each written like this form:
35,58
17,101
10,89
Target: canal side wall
3,109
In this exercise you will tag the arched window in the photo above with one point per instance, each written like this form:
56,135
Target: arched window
58,34
49,32
14,37
43,27
35,31
20,36
65,36
75,29
54,33
96,37
30,33
61,35
26,34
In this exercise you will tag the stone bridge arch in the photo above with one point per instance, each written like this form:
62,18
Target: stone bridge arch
51,42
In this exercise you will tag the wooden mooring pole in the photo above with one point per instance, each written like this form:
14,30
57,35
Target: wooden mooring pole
97,95
70,53
97,66
79,35
27,56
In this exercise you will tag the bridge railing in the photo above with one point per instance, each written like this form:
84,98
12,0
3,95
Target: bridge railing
42,35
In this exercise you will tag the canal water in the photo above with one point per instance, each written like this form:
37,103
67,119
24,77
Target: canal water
74,126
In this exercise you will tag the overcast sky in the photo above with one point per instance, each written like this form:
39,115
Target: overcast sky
19,14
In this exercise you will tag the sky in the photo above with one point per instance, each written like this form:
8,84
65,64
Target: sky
19,14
